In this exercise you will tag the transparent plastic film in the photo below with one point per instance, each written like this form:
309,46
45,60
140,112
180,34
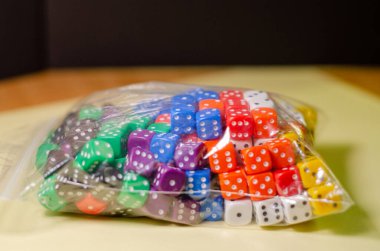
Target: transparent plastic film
186,154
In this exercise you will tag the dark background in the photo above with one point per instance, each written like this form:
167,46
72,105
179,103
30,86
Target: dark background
70,33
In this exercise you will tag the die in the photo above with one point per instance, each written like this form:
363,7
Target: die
281,151
233,185
288,181
236,104
222,157
169,179
212,104
141,161
163,118
325,199
212,208
56,159
209,124
140,138
135,190
90,112
119,164
159,127
48,196
109,176
80,133
163,146
198,183
261,186
239,122
183,99
313,172
43,153
182,120
158,205
90,205
185,210
265,122
189,156
117,138
258,99
204,94
238,212
268,212
296,209
256,159
230,94
94,153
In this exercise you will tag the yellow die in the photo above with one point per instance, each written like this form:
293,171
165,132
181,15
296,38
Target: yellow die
310,116
325,199
313,172
295,139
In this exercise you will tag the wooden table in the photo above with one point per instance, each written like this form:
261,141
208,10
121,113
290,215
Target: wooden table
348,139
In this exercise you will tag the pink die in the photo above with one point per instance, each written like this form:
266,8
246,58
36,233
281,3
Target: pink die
189,156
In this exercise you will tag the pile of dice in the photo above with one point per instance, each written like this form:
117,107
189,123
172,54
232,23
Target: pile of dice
235,155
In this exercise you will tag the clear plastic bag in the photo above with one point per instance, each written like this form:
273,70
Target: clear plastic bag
186,154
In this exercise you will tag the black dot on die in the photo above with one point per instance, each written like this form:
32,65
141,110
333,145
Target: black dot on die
246,145
295,218
265,213
319,196
275,204
335,204
263,207
292,206
257,103
313,174
238,215
304,203
266,219
277,211
267,99
239,151
278,217
307,214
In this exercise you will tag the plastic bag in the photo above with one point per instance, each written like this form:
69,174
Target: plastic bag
187,154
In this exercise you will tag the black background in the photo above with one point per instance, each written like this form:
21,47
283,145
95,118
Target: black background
66,33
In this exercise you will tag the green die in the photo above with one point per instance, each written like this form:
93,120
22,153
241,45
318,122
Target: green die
140,123
135,190
159,127
90,112
43,152
117,138
119,164
48,197
93,153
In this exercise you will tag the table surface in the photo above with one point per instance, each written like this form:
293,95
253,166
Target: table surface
348,139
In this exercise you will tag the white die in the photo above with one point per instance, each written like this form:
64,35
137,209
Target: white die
259,142
240,145
268,212
296,209
257,99
292,112
238,212
252,94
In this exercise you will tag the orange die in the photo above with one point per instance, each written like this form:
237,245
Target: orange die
90,205
163,118
230,94
282,153
222,157
265,122
233,185
261,186
256,159
212,103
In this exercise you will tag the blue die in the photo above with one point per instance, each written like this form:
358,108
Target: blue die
212,208
198,183
184,99
163,146
182,120
209,124
203,94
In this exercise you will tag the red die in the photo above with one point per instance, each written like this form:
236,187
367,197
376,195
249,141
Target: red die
233,185
212,103
265,122
261,186
239,121
90,205
237,104
281,151
230,94
163,118
222,158
288,181
256,159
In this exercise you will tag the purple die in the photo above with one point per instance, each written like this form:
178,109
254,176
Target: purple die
186,211
141,161
189,156
141,138
158,205
169,178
